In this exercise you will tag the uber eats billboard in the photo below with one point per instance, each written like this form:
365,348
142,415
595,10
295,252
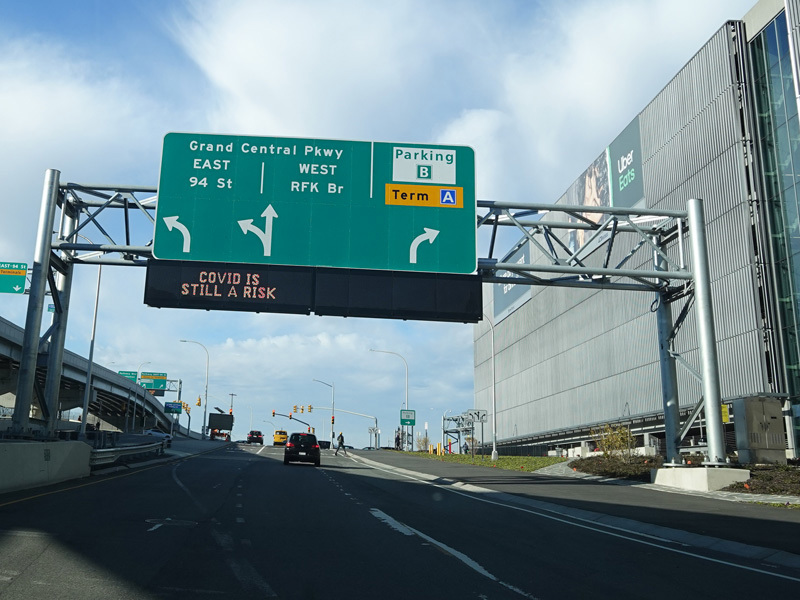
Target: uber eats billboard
613,179
625,158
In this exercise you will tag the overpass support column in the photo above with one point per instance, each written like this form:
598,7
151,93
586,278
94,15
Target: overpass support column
706,335
20,422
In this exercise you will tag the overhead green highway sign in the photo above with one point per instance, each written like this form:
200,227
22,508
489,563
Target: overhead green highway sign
318,203
153,381
12,277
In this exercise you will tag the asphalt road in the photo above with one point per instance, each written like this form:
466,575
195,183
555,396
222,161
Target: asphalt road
236,523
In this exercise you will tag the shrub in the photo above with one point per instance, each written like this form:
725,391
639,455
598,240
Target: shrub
778,479
613,441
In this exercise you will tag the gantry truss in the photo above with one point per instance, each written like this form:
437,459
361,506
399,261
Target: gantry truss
83,205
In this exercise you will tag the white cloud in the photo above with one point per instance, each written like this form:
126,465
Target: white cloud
537,89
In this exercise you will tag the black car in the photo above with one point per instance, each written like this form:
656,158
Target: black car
301,447
255,437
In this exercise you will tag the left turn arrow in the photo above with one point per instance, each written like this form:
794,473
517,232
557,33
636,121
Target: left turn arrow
172,222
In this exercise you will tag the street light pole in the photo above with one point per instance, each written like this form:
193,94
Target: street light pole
87,391
494,400
333,405
406,364
205,399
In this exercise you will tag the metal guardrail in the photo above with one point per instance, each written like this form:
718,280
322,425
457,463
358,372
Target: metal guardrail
106,456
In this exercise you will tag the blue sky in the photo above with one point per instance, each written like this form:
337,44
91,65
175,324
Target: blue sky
538,89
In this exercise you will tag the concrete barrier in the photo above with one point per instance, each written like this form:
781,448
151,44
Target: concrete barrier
31,464
699,479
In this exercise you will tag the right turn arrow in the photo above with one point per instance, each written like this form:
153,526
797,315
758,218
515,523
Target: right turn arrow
430,235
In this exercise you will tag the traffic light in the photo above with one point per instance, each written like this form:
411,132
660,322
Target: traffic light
302,409
198,401
273,413
333,419
290,415
230,411
309,430
294,408
309,408
188,409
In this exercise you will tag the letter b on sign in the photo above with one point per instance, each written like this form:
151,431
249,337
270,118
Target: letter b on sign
424,171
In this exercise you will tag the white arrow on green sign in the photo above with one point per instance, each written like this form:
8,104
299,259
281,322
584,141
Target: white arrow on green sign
318,203
12,277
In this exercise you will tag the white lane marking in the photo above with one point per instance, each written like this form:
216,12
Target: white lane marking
154,527
406,530
244,572
396,525
596,529
249,578
185,489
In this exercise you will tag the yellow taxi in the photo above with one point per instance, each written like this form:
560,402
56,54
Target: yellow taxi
279,438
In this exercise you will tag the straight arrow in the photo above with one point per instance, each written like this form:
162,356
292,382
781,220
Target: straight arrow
172,222
265,236
429,235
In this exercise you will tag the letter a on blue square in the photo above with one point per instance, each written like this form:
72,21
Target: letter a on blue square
447,196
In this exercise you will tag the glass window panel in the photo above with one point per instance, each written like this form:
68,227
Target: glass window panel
792,353
782,35
759,52
793,127
777,96
771,41
784,157
783,281
762,100
776,210
791,101
792,223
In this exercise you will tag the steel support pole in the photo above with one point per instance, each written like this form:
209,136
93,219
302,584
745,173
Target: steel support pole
707,339
669,374
20,421
55,358
494,398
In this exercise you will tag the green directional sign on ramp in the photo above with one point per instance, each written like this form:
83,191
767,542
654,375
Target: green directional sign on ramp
129,375
12,277
408,417
317,203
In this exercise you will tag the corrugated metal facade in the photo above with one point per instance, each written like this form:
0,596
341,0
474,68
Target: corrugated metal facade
569,358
